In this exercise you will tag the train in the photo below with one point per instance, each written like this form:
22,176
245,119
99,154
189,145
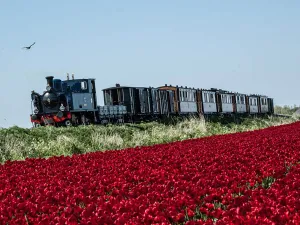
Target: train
73,102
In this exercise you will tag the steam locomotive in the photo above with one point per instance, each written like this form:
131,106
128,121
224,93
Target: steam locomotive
74,102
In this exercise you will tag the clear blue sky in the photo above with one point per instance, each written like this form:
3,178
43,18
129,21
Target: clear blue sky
243,46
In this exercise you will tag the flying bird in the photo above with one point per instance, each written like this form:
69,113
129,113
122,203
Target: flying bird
29,46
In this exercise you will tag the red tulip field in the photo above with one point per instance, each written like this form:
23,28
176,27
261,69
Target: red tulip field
243,178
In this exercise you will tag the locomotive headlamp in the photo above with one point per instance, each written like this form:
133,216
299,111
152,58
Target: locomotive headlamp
36,111
62,108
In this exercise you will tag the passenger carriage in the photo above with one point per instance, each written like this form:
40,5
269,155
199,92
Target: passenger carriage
209,101
240,102
264,108
226,102
253,104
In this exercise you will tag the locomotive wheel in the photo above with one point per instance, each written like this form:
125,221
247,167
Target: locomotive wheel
37,125
68,123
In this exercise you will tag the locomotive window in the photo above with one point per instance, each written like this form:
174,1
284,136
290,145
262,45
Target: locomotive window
83,85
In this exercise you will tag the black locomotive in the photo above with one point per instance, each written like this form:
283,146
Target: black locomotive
74,102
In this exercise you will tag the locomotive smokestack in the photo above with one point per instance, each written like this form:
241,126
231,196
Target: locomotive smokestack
50,81
73,76
67,76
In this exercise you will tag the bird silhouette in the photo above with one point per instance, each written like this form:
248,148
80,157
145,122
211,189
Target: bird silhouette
29,46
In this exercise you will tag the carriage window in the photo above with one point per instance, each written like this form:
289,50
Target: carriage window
242,100
211,98
83,85
229,99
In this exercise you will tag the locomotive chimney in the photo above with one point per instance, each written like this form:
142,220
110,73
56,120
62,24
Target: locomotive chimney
117,85
50,81
73,76
68,76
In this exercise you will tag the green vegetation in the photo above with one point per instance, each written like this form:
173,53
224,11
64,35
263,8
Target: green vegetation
20,143
286,110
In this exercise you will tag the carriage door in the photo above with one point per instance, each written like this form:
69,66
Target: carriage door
219,101
171,100
234,103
